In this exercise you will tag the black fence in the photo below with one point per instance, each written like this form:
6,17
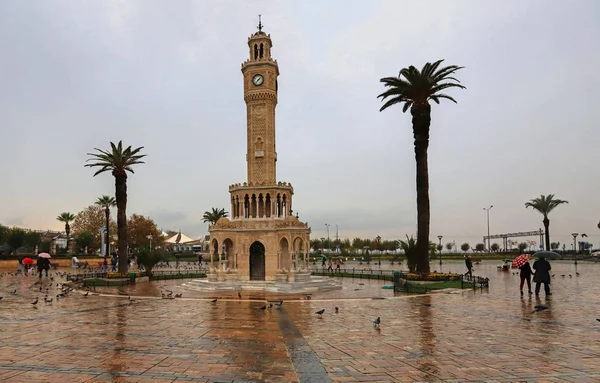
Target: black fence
102,279
465,282
385,275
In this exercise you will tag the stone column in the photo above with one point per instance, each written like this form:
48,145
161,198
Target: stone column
211,260
53,247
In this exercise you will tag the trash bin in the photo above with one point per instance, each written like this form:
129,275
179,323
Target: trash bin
132,277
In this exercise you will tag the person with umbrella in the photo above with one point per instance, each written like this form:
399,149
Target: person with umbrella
542,275
522,262
27,262
43,263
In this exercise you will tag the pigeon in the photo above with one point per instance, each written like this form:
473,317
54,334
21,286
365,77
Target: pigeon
598,319
539,308
320,313
552,275
214,300
562,275
377,322
361,284
47,300
239,295
337,309
14,291
577,274
35,301
270,305
1,298
264,307
86,294
178,295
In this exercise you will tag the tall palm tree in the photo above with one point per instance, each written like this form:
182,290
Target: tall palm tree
66,218
545,204
118,161
415,88
213,216
107,202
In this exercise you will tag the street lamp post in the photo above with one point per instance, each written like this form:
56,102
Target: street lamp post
440,238
150,238
575,245
487,210
328,241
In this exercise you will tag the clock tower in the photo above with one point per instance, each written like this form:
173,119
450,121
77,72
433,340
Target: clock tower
262,239
260,94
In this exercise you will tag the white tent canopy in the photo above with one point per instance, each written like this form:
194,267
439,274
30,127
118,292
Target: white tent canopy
179,238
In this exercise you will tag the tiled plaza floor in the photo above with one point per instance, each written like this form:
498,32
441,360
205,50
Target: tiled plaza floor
464,337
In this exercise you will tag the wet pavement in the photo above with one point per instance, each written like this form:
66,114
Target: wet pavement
466,336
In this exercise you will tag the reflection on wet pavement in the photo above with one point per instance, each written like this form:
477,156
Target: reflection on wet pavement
481,336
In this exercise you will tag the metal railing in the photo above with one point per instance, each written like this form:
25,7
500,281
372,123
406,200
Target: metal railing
385,275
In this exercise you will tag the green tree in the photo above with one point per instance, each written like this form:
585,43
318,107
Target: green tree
214,215
84,240
315,244
554,245
32,239
480,247
67,218
118,161
4,233
149,259
17,238
544,205
495,247
522,246
106,202
415,88
465,247
449,246
411,251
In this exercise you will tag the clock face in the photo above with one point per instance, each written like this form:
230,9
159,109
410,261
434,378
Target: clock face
257,80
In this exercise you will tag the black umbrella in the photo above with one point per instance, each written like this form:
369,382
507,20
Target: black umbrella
547,255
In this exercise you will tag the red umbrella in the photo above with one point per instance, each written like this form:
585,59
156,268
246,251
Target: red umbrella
520,260
28,261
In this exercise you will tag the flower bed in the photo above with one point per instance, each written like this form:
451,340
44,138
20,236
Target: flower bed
432,277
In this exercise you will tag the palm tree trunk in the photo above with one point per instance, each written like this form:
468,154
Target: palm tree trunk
107,244
68,232
547,229
121,198
421,120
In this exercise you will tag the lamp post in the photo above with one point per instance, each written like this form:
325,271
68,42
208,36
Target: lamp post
328,241
487,210
440,245
150,238
575,245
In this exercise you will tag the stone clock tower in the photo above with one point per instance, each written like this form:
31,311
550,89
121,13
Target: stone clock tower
262,239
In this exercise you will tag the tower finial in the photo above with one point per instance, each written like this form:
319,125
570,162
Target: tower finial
260,26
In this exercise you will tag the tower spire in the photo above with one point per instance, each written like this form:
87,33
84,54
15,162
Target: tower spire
260,26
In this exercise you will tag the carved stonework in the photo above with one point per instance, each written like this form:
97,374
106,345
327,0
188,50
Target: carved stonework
260,207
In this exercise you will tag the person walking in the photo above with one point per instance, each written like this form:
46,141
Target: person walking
542,275
330,265
43,264
469,264
526,273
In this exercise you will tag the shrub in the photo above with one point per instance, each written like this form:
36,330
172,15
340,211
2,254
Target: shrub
149,259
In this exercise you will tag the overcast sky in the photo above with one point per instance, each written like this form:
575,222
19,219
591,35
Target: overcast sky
165,75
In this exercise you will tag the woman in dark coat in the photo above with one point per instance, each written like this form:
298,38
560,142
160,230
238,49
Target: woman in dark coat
526,273
542,275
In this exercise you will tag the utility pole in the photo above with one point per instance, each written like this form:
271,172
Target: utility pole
328,241
488,224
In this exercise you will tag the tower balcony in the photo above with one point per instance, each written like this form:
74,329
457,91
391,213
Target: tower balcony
251,201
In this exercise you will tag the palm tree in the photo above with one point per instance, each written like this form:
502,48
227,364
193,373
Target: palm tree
415,89
410,250
107,202
545,204
118,161
66,218
213,216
